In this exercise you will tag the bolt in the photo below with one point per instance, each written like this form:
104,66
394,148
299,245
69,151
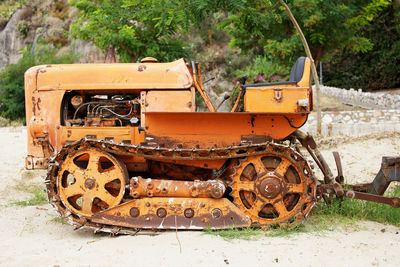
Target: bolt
193,191
161,212
189,213
216,213
217,190
134,212
149,185
90,183
150,193
147,204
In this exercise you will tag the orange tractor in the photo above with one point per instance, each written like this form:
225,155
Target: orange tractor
126,149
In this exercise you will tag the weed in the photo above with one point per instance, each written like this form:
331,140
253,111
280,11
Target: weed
342,209
58,219
38,194
38,197
28,175
236,233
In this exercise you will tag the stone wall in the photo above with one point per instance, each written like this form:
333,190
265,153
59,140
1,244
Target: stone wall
362,99
355,123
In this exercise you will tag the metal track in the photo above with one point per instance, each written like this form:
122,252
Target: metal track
139,151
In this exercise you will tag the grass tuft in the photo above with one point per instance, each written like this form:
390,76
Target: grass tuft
39,197
37,192
354,210
235,233
58,220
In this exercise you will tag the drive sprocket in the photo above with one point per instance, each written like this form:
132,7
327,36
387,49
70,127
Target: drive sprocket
91,180
274,189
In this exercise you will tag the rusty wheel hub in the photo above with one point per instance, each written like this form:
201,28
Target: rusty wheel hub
90,181
270,187
276,188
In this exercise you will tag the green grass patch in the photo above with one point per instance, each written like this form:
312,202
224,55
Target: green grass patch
58,219
37,193
39,197
355,210
236,233
339,213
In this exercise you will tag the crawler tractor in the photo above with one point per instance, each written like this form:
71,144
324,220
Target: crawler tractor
126,149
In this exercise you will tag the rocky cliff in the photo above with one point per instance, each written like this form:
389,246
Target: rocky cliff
48,20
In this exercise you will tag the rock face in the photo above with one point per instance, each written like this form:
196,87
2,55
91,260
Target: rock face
48,20
11,41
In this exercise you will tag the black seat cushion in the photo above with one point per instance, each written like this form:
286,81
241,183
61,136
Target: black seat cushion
297,70
295,75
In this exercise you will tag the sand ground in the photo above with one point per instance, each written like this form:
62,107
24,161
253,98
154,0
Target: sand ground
31,236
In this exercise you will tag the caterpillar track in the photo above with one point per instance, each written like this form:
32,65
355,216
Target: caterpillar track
296,190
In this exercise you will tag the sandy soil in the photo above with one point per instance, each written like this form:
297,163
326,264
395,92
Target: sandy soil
31,236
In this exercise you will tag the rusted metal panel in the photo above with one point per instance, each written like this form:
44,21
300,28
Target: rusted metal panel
140,187
174,213
173,75
119,134
217,129
168,101
389,172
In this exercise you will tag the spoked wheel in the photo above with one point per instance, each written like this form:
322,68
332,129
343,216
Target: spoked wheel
275,189
90,181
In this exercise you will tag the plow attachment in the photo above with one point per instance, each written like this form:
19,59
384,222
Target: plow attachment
389,172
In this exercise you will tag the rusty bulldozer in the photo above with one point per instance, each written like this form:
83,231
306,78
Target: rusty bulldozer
126,149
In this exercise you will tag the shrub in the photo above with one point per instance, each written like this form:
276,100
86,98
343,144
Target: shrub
375,69
12,94
264,70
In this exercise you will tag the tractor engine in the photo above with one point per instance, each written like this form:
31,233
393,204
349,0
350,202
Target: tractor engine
100,110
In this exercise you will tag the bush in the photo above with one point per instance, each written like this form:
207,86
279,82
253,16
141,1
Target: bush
12,94
264,70
375,69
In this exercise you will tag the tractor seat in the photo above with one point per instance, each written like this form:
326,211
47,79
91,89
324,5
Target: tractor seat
296,74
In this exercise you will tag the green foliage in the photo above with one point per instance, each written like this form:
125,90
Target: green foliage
23,28
375,69
37,193
12,94
263,70
136,28
39,197
236,233
360,210
7,8
328,25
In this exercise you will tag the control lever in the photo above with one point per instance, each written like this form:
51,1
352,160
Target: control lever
339,178
226,97
209,80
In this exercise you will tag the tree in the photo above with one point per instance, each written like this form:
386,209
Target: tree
151,27
136,28
377,68
328,25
